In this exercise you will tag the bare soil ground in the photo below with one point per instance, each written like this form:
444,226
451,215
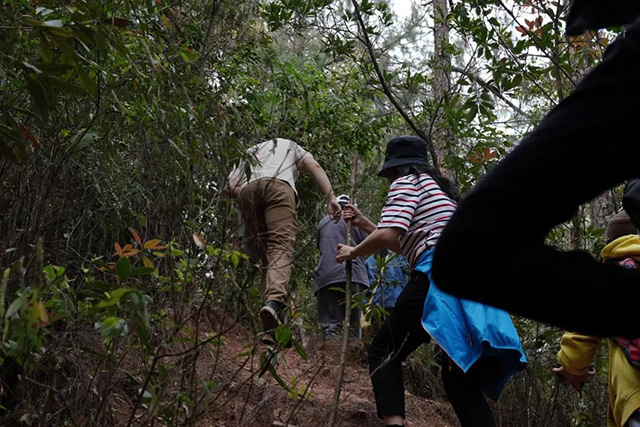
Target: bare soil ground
249,400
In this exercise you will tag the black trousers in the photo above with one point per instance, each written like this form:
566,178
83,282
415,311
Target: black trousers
398,337
330,304
590,142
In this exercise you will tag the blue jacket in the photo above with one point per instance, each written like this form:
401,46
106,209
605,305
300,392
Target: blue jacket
391,284
468,330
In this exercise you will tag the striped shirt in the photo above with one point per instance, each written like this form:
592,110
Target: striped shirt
419,207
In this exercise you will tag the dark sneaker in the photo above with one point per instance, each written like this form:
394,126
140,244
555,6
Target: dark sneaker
272,315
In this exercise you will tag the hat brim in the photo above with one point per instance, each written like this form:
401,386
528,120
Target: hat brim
393,163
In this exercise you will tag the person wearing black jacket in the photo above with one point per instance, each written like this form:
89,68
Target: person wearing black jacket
587,144
631,201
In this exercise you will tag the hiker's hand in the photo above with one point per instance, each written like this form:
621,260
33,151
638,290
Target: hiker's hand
575,381
345,253
334,209
352,213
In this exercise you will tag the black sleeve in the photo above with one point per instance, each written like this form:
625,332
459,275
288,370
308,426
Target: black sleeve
596,14
631,200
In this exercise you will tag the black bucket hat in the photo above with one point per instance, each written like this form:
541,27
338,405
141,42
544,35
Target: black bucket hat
404,150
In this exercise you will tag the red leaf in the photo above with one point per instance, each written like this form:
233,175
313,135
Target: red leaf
474,158
118,248
482,156
136,236
26,133
151,243
489,153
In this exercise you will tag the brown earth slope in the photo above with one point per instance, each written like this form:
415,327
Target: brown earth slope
250,400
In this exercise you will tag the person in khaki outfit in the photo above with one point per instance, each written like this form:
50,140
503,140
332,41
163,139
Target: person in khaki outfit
267,200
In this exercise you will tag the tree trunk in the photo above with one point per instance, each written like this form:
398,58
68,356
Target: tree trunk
442,79
602,208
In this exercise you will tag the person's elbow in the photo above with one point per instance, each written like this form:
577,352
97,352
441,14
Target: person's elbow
390,236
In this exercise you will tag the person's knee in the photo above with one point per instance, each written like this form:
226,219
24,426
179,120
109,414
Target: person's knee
376,354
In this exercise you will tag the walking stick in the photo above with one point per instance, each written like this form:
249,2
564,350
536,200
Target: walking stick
347,305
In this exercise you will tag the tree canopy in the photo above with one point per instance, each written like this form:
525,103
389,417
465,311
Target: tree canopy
120,121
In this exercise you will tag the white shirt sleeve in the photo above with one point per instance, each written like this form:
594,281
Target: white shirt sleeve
237,176
299,154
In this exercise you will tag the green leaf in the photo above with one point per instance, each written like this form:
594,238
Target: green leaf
84,139
235,259
115,297
141,271
123,268
52,272
283,335
89,83
15,306
101,285
43,11
32,67
66,87
164,373
38,96
54,23
472,113
176,252
300,350
58,31
150,401
186,398
276,377
112,327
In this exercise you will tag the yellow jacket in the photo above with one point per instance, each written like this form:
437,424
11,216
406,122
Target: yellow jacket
577,352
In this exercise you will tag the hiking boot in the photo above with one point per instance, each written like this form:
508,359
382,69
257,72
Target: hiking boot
272,315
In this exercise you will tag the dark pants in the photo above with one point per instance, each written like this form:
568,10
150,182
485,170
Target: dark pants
399,336
330,303
587,144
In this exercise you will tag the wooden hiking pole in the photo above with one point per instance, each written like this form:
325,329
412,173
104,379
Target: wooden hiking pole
346,326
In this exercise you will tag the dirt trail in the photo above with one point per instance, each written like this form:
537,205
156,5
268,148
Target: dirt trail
250,401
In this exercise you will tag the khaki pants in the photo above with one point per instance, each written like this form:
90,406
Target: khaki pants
268,209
